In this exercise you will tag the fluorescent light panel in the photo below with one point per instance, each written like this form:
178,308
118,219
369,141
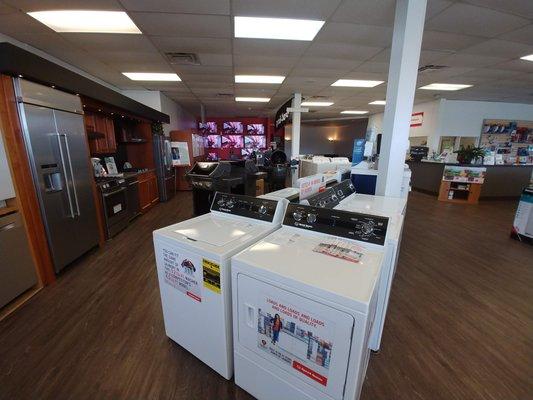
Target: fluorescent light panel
259,79
445,86
276,28
86,21
356,83
356,112
253,99
152,76
317,103
378,102
527,58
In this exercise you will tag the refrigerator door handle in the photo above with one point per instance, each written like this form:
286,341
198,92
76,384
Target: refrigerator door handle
58,135
72,174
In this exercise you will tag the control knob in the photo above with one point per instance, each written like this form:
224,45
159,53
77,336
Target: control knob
297,215
220,202
311,218
262,210
230,203
334,197
367,228
340,192
322,203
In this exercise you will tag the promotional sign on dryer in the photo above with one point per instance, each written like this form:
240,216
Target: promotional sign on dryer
298,339
183,271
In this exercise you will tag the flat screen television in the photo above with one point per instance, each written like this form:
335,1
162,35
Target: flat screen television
207,128
255,129
232,128
212,156
232,142
212,141
247,153
255,142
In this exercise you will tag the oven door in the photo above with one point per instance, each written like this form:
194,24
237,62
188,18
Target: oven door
115,210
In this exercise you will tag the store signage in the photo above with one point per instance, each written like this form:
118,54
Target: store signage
358,151
417,119
311,185
283,115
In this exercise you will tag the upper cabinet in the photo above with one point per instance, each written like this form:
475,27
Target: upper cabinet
101,133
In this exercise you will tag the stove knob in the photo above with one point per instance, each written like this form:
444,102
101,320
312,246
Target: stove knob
262,210
352,188
311,218
367,228
334,197
297,215
230,203
340,192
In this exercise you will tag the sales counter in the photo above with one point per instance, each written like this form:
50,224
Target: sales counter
501,181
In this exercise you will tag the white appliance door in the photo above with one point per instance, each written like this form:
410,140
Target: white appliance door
306,339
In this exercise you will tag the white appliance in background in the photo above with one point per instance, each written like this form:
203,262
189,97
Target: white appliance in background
302,318
193,266
321,164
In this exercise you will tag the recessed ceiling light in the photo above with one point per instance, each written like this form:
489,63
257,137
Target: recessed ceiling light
253,99
378,102
356,83
276,28
317,103
445,86
527,58
354,112
86,21
152,76
259,79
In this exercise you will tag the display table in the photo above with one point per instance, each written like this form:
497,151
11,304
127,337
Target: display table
501,181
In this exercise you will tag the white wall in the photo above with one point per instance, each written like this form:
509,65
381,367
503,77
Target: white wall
179,118
150,98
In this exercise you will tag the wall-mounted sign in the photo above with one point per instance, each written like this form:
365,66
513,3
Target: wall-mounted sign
283,115
417,119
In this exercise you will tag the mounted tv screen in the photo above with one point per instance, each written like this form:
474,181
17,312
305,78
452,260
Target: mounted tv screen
212,141
247,153
232,128
212,157
207,128
232,142
255,129
255,142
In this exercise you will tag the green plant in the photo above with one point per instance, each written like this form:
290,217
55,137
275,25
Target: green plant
466,155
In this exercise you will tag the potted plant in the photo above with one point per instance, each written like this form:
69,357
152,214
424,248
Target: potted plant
469,154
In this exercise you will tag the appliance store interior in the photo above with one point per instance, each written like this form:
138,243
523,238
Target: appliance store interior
283,199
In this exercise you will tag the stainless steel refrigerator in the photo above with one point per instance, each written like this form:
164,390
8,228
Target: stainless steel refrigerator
55,139
166,180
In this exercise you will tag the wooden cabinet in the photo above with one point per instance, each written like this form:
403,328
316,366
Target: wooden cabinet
101,133
148,192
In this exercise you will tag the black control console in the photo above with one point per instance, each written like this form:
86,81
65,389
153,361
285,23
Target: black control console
245,206
325,199
343,189
350,225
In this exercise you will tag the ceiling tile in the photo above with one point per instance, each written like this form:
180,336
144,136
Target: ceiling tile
519,7
109,42
370,12
521,35
242,60
191,44
39,5
241,91
445,41
6,9
516,65
435,7
251,70
342,51
218,7
215,59
12,24
165,24
300,9
328,63
470,60
472,20
371,66
500,48
267,47
368,35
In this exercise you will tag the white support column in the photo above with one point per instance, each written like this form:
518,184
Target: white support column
401,86
296,122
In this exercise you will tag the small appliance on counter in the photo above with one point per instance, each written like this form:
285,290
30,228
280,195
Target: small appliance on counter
194,270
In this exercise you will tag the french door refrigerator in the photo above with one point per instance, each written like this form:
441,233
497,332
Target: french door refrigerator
164,169
56,144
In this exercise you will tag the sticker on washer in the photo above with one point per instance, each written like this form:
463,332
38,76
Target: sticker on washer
298,339
211,275
340,249
183,272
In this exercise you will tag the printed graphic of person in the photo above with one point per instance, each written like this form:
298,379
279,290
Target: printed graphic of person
276,328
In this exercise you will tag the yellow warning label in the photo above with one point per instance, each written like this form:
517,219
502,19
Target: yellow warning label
211,275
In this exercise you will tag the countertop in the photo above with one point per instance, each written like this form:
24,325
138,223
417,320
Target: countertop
471,165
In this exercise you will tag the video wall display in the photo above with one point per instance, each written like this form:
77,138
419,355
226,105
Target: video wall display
207,128
213,141
255,129
232,128
232,142
255,142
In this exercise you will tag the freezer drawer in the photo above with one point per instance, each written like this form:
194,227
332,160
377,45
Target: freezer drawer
17,271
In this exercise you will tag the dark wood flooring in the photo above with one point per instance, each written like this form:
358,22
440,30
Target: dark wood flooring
459,324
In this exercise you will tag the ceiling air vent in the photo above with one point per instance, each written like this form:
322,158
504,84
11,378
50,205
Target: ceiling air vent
431,68
183,58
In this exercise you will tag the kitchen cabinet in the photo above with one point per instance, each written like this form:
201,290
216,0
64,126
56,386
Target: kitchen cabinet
148,192
101,133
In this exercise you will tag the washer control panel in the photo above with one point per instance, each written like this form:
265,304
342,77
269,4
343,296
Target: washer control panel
325,199
350,225
343,189
245,206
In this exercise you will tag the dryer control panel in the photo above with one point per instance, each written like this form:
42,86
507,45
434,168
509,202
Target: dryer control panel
343,189
325,199
350,225
245,206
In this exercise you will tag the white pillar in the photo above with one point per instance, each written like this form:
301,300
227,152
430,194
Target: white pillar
401,86
296,121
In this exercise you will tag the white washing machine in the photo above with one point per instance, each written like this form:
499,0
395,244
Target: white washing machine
193,267
304,300
394,209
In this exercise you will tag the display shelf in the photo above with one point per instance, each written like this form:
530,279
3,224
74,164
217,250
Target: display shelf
451,192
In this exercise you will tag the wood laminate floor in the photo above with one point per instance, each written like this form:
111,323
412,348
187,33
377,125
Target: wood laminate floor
459,324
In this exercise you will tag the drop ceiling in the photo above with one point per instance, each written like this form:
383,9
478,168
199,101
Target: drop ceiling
479,41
